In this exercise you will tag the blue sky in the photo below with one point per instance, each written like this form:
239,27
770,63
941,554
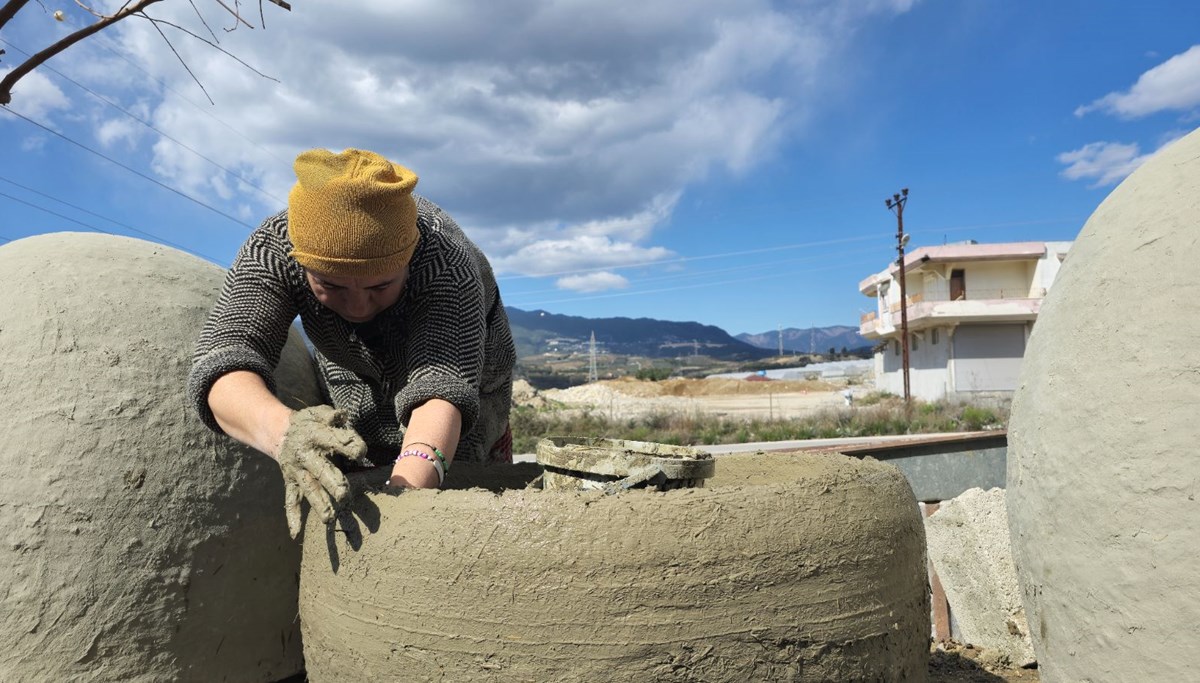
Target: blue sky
689,160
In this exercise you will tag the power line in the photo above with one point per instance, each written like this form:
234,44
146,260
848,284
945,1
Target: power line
684,259
104,43
801,245
706,273
637,292
128,168
101,230
156,238
671,289
147,124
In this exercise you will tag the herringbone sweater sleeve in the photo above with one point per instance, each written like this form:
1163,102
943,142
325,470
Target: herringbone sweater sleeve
248,326
446,343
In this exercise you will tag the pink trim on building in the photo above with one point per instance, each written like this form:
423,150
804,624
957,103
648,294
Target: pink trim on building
1007,251
950,253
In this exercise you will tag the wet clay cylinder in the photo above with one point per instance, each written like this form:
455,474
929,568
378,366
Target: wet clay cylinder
1103,474
137,545
798,568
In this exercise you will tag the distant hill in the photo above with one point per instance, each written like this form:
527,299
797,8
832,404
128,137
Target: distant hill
816,339
538,332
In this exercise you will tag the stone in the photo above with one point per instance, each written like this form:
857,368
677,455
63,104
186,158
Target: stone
969,547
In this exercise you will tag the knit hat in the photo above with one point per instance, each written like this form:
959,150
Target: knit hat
352,214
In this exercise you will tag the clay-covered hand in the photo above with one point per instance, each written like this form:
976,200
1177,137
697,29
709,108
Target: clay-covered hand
313,436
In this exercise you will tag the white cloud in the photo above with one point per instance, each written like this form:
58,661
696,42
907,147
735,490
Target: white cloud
1172,85
35,95
113,130
1107,163
593,282
33,143
567,256
559,134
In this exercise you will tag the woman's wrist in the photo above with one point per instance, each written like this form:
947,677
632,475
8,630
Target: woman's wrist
414,472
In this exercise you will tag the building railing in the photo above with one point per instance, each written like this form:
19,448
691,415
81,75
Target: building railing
975,295
912,299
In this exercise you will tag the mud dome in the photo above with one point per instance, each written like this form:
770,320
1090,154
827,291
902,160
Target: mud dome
799,568
138,546
1103,474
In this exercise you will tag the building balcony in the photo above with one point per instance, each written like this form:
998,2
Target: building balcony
925,313
867,323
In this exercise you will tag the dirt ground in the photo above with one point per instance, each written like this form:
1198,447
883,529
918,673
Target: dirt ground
772,399
953,662
716,387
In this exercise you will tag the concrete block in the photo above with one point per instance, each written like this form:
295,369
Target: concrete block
970,550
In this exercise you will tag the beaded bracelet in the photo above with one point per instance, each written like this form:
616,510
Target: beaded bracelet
442,458
412,452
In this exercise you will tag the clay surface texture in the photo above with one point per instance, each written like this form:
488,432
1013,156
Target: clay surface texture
1103,476
791,568
138,546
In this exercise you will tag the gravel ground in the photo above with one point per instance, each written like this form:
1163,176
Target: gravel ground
609,400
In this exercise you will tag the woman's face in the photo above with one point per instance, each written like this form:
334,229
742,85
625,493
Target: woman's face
357,299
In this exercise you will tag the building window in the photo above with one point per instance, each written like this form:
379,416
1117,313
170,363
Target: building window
914,342
933,336
896,347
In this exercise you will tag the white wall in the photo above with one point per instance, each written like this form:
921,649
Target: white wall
1048,267
998,280
927,362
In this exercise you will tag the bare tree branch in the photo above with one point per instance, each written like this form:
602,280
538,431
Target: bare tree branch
201,17
130,7
10,9
213,45
38,59
180,58
236,16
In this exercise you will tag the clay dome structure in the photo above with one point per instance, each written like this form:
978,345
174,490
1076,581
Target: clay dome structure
798,568
138,545
1103,476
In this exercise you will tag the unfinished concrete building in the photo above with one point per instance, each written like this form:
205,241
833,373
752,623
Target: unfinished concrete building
970,310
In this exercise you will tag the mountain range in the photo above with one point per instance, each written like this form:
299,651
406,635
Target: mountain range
537,332
809,340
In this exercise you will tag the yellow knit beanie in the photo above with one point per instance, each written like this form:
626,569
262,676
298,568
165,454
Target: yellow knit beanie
352,214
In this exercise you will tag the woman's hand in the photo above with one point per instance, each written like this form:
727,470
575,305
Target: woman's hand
414,472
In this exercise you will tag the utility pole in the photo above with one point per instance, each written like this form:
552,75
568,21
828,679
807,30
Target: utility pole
896,205
592,374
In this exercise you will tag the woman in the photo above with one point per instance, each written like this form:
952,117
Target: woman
412,343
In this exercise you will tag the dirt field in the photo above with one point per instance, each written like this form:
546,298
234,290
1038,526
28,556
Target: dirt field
626,398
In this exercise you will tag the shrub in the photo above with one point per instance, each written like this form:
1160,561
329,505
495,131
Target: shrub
653,374
886,415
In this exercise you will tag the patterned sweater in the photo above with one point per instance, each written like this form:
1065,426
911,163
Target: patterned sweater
447,337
